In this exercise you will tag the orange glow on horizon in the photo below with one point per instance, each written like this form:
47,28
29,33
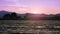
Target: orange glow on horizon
35,12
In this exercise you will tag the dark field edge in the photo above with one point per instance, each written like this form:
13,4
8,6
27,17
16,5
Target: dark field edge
40,19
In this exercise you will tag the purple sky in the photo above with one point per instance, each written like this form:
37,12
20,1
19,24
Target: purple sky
31,6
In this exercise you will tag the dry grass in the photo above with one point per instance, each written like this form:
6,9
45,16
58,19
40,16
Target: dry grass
28,26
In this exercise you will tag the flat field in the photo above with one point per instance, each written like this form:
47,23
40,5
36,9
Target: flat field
30,26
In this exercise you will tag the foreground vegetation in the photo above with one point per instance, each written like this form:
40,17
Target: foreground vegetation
29,26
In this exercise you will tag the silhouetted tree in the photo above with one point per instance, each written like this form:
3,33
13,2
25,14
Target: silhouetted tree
13,16
6,16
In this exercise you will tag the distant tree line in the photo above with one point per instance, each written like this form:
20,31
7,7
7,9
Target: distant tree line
13,16
10,16
56,17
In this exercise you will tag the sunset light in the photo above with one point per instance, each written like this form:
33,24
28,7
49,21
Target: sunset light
25,6
29,16
35,12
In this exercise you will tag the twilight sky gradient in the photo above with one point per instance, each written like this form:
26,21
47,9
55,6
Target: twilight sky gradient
31,6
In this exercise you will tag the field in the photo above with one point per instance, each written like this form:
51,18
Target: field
30,26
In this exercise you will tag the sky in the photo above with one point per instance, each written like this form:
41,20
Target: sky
31,6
